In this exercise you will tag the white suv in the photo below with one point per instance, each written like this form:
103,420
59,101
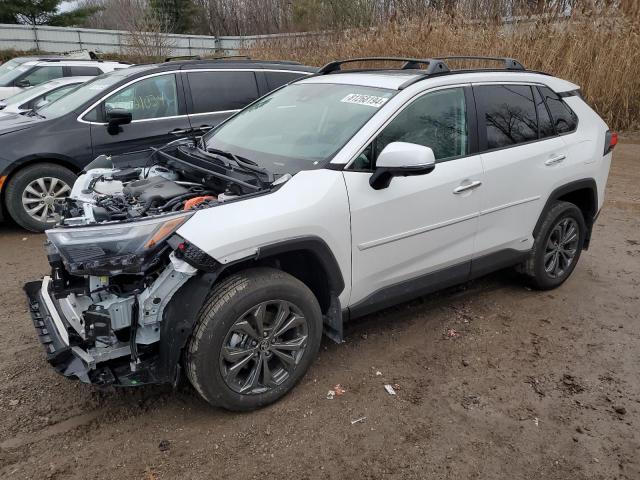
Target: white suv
336,195
20,73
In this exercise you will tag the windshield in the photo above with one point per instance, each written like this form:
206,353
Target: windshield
29,93
11,64
12,69
299,127
76,98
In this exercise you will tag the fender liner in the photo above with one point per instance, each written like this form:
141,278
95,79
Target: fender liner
318,248
178,321
180,315
585,183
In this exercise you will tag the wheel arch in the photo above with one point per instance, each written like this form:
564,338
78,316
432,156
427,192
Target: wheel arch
583,194
309,259
23,163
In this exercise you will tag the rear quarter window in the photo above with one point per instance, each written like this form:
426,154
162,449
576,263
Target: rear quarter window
564,119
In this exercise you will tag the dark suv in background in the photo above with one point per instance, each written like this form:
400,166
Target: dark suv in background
123,111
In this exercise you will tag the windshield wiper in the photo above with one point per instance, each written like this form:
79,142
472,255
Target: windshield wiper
244,163
33,113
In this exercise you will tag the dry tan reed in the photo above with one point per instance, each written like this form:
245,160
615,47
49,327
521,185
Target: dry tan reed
599,53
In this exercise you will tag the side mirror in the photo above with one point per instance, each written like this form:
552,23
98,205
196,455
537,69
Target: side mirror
117,117
401,159
24,83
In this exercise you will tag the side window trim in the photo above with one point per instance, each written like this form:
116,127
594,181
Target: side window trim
544,102
472,129
261,81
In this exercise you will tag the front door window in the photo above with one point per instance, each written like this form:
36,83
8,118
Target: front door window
154,97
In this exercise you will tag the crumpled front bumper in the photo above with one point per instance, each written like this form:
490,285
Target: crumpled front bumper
66,353
53,333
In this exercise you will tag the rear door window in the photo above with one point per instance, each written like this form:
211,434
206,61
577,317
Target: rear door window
564,119
277,79
509,114
84,71
221,91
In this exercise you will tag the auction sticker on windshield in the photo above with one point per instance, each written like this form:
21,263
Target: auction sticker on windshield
368,100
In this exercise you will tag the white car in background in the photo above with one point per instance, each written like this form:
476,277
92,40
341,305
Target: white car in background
24,72
35,97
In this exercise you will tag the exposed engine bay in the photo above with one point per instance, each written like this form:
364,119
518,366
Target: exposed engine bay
116,259
176,178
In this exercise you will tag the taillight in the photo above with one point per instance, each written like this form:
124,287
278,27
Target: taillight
610,141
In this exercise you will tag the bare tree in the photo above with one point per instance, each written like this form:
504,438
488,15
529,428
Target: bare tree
146,37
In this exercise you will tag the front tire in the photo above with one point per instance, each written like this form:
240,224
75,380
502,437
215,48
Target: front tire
557,247
32,192
256,336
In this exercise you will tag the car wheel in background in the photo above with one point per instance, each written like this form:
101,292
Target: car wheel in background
32,192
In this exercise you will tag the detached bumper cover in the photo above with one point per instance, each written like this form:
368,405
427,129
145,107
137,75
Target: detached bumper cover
70,361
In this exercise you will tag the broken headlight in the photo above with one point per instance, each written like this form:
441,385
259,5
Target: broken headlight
113,249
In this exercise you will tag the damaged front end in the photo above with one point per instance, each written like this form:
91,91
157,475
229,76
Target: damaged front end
104,334
106,314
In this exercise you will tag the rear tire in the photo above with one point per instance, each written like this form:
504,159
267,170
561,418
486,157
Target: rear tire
557,247
256,336
35,189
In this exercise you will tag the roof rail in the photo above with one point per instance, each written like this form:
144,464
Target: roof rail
183,57
224,57
66,59
433,65
509,63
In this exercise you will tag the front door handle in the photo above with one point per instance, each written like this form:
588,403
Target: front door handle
468,186
179,131
554,160
204,127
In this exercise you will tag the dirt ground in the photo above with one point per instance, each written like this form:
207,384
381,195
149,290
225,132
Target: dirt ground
534,385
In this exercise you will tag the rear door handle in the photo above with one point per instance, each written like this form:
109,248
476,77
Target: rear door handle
468,186
179,131
204,127
554,160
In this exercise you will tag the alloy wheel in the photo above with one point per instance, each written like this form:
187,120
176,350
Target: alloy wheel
561,247
263,347
41,195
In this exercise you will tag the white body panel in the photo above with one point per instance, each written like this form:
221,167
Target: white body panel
515,191
312,203
6,92
415,226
